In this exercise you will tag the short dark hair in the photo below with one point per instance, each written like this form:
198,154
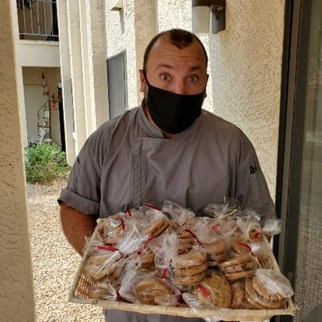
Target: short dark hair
178,37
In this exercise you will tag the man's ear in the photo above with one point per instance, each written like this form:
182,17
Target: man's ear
143,84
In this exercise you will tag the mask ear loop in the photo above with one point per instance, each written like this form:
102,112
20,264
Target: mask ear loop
144,100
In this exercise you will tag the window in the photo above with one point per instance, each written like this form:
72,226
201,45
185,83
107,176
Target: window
300,203
117,89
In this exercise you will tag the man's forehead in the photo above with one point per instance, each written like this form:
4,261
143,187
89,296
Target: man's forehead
164,49
165,41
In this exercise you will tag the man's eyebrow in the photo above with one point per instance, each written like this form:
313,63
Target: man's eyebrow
164,66
193,68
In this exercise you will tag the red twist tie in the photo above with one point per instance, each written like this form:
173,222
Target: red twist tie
193,235
118,296
151,237
257,235
128,211
164,273
152,206
203,290
246,245
109,249
123,223
215,227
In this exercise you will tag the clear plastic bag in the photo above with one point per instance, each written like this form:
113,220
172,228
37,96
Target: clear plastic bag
274,282
177,213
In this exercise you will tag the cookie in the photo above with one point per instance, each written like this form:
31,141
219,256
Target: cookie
111,228
99,266
212,263
184,233
101,291
193,270
190,280
238,291
250,265
236,260
252,304
192,258
216,247
217,257
238,275
190,268
241,247
262,290
255,297
216,251
148,291
157,226
185,245
147,259
214,291
274,283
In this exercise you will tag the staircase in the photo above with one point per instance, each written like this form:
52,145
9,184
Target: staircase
43,124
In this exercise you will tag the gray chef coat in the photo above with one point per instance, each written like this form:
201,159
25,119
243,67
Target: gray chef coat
127,163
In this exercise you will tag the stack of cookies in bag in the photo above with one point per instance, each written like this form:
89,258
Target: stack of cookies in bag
170,256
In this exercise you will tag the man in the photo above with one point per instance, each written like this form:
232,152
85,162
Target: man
166,149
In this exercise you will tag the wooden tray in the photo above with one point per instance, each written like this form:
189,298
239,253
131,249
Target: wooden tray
80,294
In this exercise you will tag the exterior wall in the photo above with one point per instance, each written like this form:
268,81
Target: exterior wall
37,53
98,68
244,61
120,33
16,283
83,64
66,78
244,87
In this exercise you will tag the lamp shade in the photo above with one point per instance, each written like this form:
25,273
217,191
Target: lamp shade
200,19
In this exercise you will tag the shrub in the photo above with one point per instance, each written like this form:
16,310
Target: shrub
44,163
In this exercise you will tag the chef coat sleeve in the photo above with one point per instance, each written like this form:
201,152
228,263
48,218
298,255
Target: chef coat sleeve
83,186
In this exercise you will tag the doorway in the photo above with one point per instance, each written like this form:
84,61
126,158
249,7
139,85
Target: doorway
300,186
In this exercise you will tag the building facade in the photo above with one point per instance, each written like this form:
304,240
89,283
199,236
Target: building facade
264,76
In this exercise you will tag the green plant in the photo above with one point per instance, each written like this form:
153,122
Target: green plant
44,163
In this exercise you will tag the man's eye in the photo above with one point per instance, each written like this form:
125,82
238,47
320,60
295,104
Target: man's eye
164,77
193,79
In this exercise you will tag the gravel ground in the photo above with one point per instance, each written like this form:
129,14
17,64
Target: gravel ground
55,263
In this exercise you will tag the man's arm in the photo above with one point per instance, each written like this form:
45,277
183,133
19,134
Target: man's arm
76,226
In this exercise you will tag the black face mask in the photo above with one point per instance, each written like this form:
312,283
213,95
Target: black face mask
173,113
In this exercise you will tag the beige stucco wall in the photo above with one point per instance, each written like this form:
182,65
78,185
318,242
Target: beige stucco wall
244,87
130,30
246,62
16,286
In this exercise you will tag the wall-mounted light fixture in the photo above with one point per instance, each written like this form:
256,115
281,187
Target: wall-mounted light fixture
200,15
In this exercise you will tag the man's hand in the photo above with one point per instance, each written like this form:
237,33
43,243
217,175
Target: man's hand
76,226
